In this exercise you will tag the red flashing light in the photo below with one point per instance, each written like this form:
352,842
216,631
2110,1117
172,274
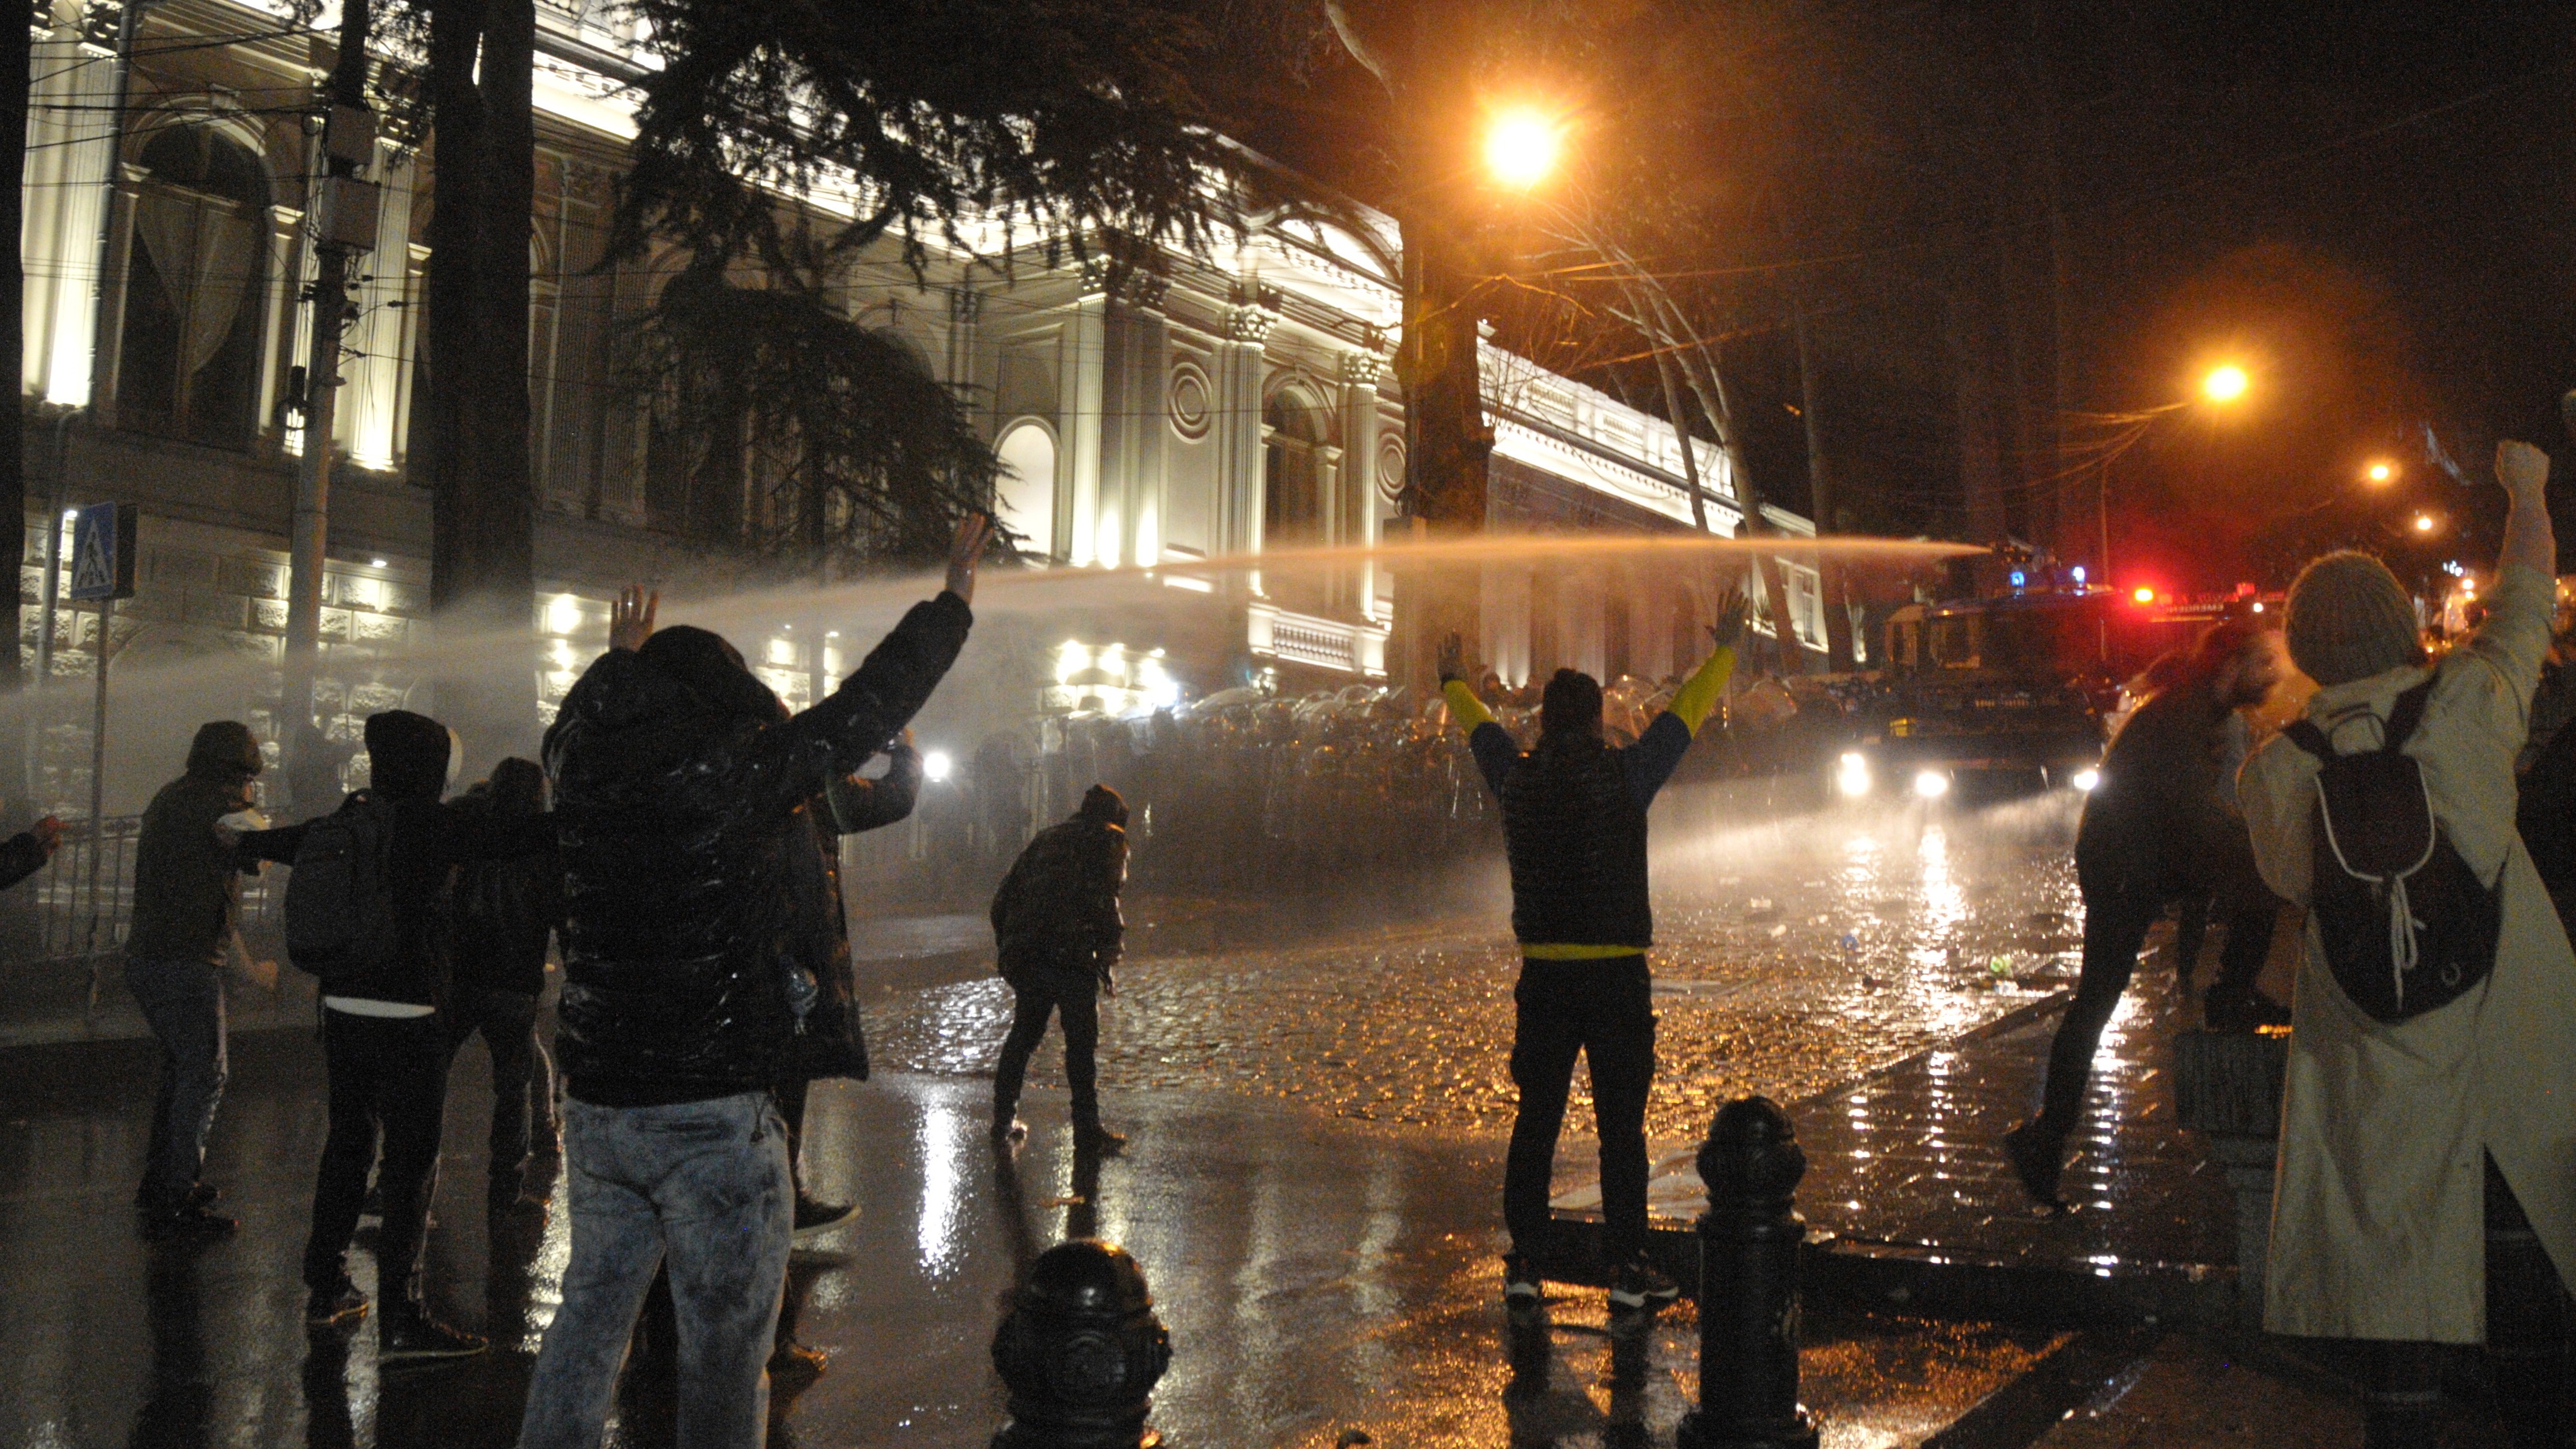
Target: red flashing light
2143,594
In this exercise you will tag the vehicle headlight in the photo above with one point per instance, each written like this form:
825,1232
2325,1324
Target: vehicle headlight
1931,784
1851,777
2085,779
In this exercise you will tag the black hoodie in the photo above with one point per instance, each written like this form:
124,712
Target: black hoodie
426,842
186,890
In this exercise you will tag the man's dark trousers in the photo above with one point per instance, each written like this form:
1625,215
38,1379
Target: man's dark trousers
2119,909
1605,1011
183,1003
1072,995
522,1088
388,1076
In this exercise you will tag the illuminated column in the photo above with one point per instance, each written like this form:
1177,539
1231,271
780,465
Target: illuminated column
372,397
1355,511
84,133
1238,427
1081,359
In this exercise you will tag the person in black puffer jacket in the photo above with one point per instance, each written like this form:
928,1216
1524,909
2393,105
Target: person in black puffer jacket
1058,931
1574,828
505,913
680,795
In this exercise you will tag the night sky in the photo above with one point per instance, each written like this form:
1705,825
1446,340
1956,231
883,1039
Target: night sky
2367,206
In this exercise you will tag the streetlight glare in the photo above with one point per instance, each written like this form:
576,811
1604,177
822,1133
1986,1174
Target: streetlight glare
2381,472
1521,147
2224,384
2423,523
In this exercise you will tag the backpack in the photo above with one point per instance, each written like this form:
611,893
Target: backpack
2408,927
339,902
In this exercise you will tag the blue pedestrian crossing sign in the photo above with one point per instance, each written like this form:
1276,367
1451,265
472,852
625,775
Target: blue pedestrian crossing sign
103,552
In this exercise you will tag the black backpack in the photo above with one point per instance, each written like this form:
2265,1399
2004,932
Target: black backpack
339,900
2408,927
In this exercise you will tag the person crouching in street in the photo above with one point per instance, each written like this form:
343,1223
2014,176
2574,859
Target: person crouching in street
1574,829
384,1047
1058,932
682,794
2426,1193
187,901
2162,826
505,913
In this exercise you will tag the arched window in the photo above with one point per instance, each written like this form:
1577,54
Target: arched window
188,357
1024,496
1292,494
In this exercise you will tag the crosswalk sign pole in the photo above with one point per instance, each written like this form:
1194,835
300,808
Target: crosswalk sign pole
98,803
103,559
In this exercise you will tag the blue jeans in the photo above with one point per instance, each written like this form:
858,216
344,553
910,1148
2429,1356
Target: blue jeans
706,1183
183,1003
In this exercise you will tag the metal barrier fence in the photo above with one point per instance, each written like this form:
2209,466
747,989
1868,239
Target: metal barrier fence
62,938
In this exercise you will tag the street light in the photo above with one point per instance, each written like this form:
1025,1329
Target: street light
2423,523
2380,472
2224,384
1521,147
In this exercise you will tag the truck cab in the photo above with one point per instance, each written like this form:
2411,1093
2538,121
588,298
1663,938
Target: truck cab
1991,692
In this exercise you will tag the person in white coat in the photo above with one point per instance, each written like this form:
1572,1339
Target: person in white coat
2427,1184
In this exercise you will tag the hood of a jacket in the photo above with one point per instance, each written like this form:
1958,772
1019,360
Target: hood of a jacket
224,750
407,755
713,670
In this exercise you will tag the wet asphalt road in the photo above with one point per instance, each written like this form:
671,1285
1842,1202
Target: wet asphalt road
1790,957
1312,1192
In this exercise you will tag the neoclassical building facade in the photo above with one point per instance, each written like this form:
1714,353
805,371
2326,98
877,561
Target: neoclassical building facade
1185,424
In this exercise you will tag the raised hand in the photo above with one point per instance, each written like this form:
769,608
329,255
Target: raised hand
1453,658
1732,610
2523,470
630,618
965,551
49,834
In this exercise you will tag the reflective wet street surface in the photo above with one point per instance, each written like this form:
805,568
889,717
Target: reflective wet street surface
1312,1192
1791,955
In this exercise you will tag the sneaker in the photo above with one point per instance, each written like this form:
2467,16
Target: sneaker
1520,1282
1010,1129
1641,1287
340,1303
815,1217
189,1224
2038,1158
1092,1137
413,1335
2223,1010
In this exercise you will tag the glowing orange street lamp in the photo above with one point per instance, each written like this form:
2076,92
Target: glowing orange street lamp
2225,384
2423,523
2143,594
1521,147
2380,472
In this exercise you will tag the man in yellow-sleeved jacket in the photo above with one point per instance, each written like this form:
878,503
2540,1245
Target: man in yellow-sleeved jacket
1574,826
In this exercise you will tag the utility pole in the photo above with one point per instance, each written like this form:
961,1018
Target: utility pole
341,219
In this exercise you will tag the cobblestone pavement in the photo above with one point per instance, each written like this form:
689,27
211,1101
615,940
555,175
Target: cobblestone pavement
1792,955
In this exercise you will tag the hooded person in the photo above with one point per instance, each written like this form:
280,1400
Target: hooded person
2426,1192
382,1040
1574,832
1058,935
505,913
2161,827
683,797
187,902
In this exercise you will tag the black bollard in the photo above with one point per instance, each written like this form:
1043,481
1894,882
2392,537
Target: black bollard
1081,1351
1749,1241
